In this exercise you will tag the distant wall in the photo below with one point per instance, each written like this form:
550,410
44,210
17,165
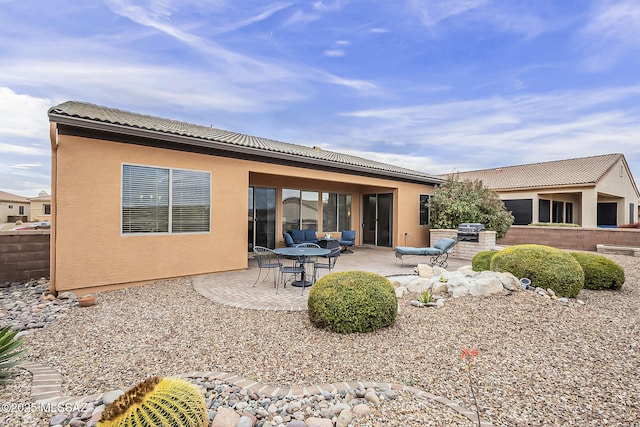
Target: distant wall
24,255
577,238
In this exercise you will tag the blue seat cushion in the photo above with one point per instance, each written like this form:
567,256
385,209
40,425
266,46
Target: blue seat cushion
408,250
288,240
444,244
348,235
310,236
297,235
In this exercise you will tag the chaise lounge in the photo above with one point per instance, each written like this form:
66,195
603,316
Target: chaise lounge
439,253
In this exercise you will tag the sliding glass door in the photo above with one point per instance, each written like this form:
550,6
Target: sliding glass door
262,217
377,219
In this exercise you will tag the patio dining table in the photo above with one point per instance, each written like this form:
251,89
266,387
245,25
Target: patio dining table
302,254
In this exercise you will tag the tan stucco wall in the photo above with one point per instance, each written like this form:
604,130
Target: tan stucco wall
89,251
38,210
616,186
8,209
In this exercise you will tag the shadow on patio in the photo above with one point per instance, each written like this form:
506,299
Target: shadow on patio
235,289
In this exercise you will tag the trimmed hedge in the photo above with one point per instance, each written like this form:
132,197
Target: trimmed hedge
599,272
547,267
352,301
482,260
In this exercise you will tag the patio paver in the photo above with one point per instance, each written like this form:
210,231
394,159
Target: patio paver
234,288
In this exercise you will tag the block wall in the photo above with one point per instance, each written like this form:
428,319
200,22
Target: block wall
24,255
465,250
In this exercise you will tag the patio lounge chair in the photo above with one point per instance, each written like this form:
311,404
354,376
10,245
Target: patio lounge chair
439,253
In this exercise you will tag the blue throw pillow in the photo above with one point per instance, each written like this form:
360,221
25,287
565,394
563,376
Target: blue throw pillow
297,235
310,236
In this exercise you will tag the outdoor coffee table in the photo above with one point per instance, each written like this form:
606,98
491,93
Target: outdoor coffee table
302,254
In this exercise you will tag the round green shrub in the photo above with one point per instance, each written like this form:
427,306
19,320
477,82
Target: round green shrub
482,260
599,272
352,301
547,267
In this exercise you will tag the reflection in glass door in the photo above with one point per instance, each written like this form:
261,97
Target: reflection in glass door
262,217
377,219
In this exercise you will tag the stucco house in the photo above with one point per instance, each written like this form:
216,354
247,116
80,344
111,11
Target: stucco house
596,191
138,198
13,207
40,207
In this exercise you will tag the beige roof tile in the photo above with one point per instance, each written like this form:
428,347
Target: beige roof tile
8,197
578,171
86,111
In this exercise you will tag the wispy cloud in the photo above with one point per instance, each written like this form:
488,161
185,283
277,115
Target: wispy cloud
611,34
504,16
511,130
334,53
26,166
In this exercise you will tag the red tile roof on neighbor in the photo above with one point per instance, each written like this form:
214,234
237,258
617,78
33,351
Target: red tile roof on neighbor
582,171
8,197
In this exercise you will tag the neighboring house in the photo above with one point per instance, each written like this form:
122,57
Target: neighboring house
13,208
41,207
597,191
138,198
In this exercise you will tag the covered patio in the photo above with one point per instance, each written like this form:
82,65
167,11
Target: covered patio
234,288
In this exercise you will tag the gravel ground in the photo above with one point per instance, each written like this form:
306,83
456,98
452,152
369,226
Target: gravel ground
541,363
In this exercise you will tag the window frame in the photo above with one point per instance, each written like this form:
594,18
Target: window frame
428,209
171,205
340,203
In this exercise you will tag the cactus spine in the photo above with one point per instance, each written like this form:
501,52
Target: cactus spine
158,402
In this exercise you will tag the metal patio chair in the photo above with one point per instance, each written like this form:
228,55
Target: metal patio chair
267,260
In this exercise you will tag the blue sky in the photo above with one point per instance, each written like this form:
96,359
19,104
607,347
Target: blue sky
432,85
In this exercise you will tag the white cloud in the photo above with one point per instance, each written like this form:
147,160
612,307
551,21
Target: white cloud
611,34
478,133
22,115
334,53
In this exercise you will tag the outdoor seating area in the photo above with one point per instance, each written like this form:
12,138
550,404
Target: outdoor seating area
234,288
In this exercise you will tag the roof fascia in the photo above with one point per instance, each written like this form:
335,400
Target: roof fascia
312,163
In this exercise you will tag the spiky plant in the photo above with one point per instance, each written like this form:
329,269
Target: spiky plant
158,402
9,354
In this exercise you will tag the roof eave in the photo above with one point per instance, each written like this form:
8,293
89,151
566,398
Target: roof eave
228,147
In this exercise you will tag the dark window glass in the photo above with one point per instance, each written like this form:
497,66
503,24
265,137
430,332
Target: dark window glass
544,210
522,210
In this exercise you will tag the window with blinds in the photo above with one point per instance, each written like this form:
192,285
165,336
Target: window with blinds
161,200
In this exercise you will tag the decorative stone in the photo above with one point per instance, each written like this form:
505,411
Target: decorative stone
109,397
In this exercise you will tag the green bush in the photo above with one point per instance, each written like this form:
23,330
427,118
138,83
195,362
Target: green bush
482,260
547,267
599,271
352,301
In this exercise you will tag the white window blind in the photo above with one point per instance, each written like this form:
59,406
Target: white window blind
160,200
190,201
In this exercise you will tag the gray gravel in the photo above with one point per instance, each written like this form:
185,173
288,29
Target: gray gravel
541,363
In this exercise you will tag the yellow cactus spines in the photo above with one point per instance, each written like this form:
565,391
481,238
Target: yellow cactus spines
157,402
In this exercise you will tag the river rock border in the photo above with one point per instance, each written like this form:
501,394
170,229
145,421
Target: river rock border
47,390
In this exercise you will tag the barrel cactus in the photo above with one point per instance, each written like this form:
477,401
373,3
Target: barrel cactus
158,402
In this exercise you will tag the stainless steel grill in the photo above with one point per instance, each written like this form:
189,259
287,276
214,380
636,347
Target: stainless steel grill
469,231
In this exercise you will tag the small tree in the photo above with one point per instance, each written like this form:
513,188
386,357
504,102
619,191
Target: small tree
455,202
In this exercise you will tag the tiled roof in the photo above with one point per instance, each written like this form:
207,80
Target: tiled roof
8,197
86,112
580,171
